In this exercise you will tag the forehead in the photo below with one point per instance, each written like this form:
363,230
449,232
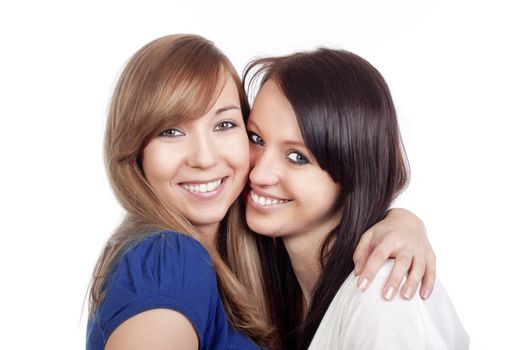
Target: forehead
229,91
273,114
227,96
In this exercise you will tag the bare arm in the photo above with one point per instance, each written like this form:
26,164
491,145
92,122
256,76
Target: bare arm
158,329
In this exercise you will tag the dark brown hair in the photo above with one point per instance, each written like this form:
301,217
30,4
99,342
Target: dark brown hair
348,122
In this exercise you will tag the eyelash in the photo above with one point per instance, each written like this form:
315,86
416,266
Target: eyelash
299,154
255,139
221,126
231,125
171,132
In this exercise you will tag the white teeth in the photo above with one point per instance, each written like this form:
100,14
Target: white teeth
261,201
207,187
264,201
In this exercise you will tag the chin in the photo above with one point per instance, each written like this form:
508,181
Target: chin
259,227
206,217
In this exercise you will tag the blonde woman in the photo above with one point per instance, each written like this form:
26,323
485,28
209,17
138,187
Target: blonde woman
182,270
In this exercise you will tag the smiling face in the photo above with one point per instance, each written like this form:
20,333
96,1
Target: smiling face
200,167
290,193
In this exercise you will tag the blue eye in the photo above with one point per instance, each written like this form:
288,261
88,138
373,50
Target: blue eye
256,139
171,132
297,158
225,125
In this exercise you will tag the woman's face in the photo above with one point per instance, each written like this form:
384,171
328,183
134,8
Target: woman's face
200,167
290,194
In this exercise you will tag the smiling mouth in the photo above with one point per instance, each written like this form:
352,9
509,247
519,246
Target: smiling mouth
202,187
266,201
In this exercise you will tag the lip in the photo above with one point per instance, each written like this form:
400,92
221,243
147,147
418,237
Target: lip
205,195
267,195
266,208
199,182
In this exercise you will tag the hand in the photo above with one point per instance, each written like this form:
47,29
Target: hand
400,235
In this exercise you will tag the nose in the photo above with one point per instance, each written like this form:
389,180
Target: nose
265,168
203,153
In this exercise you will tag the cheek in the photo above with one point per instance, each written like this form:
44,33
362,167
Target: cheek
322,190
328,192
158,163
254,155
238,153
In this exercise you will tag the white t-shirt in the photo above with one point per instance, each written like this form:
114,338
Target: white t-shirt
366,321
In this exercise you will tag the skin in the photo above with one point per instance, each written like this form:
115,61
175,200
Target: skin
200,152
298,196
159,329
285,172
191,154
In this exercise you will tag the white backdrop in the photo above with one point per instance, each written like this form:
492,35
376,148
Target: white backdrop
455,68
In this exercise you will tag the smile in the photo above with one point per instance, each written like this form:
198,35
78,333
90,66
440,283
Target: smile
202,187
266,201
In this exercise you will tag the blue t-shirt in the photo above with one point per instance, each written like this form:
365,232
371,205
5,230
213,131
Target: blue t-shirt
172,271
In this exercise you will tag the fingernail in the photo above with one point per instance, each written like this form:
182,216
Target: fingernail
361,285
426,294
408,293
389,293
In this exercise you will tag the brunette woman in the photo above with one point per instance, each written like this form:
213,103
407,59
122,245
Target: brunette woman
327,162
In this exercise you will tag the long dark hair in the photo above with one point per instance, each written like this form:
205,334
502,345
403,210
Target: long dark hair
348,122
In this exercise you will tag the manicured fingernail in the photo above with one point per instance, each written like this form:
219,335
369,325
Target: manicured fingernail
408,293
356,268
361,285
389,293
426,294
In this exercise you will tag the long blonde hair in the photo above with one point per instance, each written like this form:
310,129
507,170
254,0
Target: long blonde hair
174,79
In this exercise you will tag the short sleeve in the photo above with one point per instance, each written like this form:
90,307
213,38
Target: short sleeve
168,270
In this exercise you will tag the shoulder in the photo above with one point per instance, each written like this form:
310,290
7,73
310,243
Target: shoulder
168,258
167,270
166,243
371,306
163,262
365,320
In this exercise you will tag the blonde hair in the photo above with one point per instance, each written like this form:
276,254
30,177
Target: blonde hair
174,79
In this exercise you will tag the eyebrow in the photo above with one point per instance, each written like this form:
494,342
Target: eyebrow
294,143
226,108
286,142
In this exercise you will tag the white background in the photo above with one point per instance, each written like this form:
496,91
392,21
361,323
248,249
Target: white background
455,68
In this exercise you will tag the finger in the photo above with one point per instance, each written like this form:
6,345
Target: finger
375,260
429,279
415,276
401,266
362,251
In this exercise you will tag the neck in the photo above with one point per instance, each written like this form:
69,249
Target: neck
210,234
304,256
304,251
